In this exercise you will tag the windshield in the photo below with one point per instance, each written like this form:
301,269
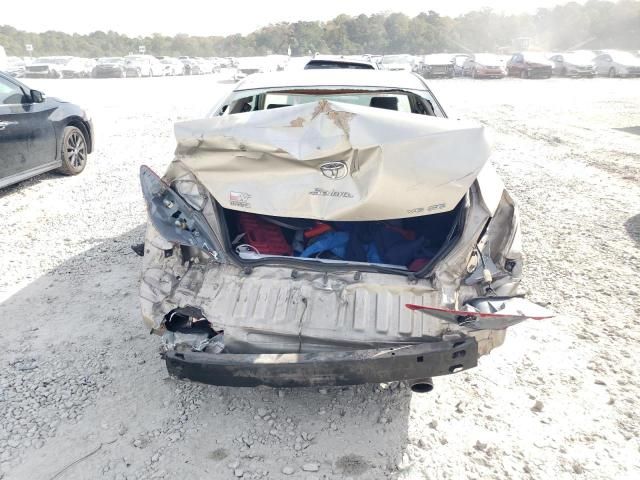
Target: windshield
623,57
578,58
419,102
488,59
54,60
438,59
535,57
110,60
397,59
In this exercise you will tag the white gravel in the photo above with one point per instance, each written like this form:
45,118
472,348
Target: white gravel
78,372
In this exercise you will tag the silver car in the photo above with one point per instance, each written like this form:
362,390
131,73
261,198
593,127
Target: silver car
330,227
573,64
616,63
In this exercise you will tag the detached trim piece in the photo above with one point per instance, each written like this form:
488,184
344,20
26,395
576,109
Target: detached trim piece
354,367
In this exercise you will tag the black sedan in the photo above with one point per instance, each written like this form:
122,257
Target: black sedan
38,134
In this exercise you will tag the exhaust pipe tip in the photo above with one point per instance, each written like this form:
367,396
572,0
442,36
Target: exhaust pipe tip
423,385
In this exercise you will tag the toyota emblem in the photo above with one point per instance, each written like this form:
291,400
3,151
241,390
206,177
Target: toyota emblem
334,170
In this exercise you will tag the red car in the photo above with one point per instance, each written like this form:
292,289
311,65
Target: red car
484,65
529,65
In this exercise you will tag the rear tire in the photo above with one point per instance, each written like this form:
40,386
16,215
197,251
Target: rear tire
524,74
74,151
612,72
474,74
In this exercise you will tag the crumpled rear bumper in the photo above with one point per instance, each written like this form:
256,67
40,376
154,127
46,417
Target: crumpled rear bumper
407,362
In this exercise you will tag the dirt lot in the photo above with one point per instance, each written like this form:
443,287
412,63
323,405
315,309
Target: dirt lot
558,400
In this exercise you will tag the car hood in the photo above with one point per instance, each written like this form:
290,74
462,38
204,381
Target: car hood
580,64
334,161
538,63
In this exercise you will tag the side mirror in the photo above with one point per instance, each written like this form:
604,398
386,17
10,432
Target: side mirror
37,96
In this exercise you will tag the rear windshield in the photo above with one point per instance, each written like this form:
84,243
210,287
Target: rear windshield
397,59
54,60
421,103
110,60
318,64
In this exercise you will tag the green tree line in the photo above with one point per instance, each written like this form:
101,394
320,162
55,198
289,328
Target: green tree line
595,24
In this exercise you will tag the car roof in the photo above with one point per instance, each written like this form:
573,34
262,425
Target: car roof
332,78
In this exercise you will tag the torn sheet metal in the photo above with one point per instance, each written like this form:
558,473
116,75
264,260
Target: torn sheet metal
334,161
490,313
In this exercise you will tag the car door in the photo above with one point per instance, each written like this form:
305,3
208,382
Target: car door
466,67
558,64
512,65
603,63
27,136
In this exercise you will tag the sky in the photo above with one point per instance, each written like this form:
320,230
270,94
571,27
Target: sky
211,17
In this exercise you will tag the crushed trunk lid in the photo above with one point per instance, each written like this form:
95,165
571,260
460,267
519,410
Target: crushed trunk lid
327,160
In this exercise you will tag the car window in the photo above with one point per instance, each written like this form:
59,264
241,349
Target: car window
10,94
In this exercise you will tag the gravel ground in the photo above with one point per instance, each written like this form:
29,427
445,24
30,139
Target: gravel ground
80,375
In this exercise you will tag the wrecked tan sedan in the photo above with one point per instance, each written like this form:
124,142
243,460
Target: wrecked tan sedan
330,228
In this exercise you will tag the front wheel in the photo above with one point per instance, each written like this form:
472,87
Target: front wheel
612,72
474,74
74,151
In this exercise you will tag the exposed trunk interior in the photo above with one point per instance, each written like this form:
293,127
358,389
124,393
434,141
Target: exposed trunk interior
407,243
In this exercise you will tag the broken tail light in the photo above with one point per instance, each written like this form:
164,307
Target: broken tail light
175,219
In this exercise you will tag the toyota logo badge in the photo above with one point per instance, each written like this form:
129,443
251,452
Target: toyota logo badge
334,170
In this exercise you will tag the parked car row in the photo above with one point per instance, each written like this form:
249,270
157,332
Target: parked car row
579,63
134,65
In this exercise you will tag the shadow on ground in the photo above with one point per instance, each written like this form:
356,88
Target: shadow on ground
29,182
633,228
